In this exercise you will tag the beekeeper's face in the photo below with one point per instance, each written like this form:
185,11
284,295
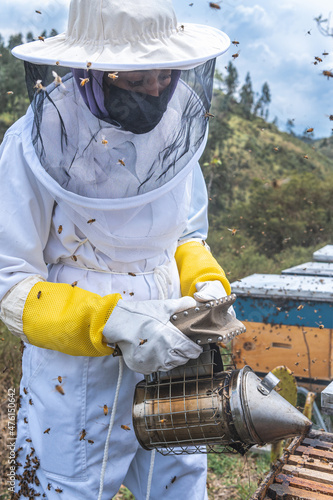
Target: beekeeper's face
151,82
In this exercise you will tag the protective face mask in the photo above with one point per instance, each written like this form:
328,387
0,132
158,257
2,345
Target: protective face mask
133,111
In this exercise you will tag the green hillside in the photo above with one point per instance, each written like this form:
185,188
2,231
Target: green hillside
270,192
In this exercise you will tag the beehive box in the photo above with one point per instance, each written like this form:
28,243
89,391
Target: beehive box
289,321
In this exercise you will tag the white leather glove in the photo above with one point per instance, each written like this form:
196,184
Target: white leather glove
211,290
149,342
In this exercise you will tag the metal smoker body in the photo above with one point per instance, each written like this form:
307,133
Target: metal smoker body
205,407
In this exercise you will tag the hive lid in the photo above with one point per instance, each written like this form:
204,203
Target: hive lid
311,269
313,288
324,254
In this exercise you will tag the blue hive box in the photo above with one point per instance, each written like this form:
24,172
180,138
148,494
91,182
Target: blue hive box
289,321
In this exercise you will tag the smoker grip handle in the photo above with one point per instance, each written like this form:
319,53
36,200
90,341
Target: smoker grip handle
210,322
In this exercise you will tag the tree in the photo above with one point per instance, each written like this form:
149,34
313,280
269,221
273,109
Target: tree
290,126
298,212
29,37
15,40
324,25
13,92
53,32
231,80
218,80
247,96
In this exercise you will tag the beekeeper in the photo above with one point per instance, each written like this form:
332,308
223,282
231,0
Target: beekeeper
103,221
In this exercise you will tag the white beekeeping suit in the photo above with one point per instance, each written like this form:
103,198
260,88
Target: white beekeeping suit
103,217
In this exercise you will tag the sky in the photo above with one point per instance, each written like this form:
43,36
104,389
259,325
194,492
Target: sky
278,43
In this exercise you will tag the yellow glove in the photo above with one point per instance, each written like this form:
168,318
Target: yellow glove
195,265
68,319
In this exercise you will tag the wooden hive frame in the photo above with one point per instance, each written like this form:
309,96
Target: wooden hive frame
304,471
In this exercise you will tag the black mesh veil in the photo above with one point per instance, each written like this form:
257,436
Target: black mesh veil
94,156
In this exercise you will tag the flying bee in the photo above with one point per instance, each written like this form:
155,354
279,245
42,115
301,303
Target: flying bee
162,421
73,257
300,307
310,129
90,441
58,490
10,92
181,27
49,486
235,42
25,390
306,157
125,427
325,53
39,86
90,221
330,117
143,341
233,231
104,142
84,81
57,63
83,434
25,420
213,5
59,388
39,294
234,56
74,284
88,65
173,479
208,115
28,440
38,11
41,38
113,75
105,409
57,79
47,430
60,229
327,73
31,402
121,162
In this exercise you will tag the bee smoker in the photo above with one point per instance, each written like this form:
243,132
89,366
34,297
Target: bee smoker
205,405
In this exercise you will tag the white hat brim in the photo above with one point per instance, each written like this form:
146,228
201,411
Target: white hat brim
188,47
